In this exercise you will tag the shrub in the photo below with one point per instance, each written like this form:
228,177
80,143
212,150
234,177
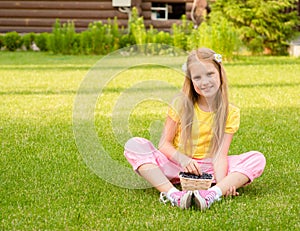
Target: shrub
1,41
12,41
262,24
181,32
28,39
116,34
76,44
55,38
97,33
41,40
68,37
64,39
126,40
221,37
85,42
137,28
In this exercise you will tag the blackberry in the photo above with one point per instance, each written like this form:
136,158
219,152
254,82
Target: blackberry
204,175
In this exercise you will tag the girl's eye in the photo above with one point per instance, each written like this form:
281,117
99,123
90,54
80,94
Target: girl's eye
196,77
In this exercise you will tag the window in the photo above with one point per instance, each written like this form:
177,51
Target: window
164,11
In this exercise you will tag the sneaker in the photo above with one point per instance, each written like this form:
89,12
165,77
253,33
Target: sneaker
204,198
181,199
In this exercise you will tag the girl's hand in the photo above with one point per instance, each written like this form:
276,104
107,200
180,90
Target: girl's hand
193,167
231,192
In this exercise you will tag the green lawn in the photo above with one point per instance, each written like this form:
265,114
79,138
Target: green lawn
52,180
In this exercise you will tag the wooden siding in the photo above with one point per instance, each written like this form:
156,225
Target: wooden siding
39,16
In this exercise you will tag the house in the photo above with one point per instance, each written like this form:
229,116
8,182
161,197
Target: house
39,16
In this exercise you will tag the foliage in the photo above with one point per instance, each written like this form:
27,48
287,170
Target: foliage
97,32
41,40
101,38
180,33
221,37
137,28
28,39
56,38
261,24
12,41
63,38
1,41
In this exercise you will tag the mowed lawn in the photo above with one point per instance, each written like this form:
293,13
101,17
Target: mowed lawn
48,181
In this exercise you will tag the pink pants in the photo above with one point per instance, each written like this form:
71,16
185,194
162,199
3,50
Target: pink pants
139,151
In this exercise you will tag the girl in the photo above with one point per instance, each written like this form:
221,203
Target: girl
196,138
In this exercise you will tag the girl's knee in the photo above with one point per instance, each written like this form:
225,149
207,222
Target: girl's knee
138,145
257,163
260,158
134,142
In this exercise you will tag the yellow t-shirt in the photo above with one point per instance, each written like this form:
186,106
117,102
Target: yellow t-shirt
202,129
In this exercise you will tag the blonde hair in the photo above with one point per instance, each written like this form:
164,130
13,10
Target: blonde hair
191,97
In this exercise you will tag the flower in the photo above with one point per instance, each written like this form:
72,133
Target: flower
218,58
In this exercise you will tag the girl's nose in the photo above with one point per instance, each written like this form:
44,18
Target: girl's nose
205,80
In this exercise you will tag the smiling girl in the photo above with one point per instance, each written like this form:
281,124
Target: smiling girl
196,138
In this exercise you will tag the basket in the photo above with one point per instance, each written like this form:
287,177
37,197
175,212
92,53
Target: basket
190,184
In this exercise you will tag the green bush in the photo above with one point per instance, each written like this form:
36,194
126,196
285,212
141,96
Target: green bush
85,42
126,40
180,33
221,37
261,24
115,34
63,39
76,44
28,39
12,41
1,41
97,33
56,38
41,40
68,38
137,28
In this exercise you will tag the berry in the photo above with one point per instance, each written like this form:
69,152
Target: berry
204,175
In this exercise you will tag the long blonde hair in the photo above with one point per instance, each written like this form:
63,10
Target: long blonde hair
191,97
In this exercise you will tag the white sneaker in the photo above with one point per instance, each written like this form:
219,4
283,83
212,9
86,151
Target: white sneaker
204,198
181,199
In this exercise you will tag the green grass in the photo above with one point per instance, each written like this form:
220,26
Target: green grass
45,184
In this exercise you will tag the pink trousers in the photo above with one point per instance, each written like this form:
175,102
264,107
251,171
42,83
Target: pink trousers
139,151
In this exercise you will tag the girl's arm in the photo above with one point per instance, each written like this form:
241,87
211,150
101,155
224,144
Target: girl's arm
167,148
220,162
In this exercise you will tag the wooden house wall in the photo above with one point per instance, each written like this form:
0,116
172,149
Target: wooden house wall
39,16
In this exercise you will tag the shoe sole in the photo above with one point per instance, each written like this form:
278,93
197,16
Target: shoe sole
186,200
200,202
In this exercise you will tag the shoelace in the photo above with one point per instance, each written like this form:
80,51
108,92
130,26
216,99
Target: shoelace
210,197
164,199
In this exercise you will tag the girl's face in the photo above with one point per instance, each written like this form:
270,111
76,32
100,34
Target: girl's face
205,78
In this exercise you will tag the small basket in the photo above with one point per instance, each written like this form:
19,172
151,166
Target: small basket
190,184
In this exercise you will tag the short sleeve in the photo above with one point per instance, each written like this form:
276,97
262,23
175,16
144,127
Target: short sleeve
233,120
174,109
